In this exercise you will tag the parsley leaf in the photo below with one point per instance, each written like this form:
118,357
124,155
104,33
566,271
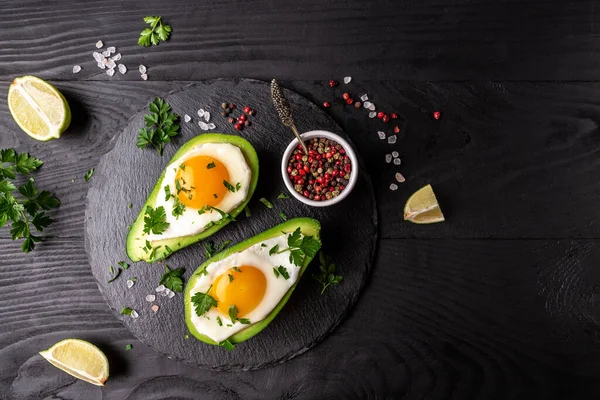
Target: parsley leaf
233,312
155,220
226,344
88,174
211,165
157,31
231,278
116,275
123,264
230,187
219,321
266,202
203,302
126,311
23,209
274,250
247,212
178,208
168,194
128,347
300,247
281,270
161,126
326,276
236,269
283,196
283,216
173,279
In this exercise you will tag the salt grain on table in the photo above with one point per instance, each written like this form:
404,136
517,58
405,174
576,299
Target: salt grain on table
150,298
130,283
142,69
145,77
122,68
164,293
207,116
76,69
381,135
116,57
160,288
106,53
171,294
99,44
364,97
367,104
392,139
372,107
397,161
393,187
187,118
201,113
110,63
154,308
388,158
399,177
211,126
110,71
134,314
111,50
101,65
347,79
372,114
203,125
395,154
97,56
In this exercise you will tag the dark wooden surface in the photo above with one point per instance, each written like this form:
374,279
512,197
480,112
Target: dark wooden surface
348,231
499,302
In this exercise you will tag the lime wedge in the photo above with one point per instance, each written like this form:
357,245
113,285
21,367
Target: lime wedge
423,208
38,108
80,359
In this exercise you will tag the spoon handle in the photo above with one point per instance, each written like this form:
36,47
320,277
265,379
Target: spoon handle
284,110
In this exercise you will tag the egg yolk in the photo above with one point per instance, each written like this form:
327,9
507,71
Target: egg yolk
200,181
243,287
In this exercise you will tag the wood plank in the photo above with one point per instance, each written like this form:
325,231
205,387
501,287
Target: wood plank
377,40
457,319
506,160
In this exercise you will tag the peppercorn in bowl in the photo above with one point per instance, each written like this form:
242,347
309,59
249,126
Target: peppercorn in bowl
324,176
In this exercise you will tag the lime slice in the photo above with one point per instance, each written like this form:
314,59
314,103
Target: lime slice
423,208
79,358
38,108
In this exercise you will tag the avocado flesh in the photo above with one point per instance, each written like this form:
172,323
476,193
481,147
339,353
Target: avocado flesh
308,227
136,240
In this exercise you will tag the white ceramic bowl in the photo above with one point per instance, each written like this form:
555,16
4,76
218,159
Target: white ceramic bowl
353,175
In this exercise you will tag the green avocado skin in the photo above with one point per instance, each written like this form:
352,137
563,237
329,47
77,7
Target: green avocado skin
308,226
135,238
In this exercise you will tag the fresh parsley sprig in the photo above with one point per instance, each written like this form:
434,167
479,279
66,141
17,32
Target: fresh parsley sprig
281,270
233,312
203,302
173,279
157,31
161,126
155,220
326,276
299,247
26,212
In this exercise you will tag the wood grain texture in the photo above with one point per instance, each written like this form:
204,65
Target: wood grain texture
439,319
376,40
126,175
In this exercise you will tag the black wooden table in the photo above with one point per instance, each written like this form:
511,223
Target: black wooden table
498,302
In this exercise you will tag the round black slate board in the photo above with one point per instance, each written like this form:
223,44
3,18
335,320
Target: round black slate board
127,175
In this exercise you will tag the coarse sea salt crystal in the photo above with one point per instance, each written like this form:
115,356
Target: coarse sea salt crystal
130,283
397,161
381,135
347,79
111,49
364,97
366,104
164,293
207,116
142,69
171,294
122,68
110,63
150,298
144,77
116,57
372,114
392,139
211,126
388,158
134,314
187,118
106,53
399,177
393,187
97,56
76,69
99,44
154,308
201,112
160,288
395,154
372,107
101,65
203,125
110,71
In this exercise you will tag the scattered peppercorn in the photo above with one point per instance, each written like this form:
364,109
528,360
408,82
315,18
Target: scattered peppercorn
323,173
252,112
349,101
231,120
247,123
232,106
394,116
326,104
357,104
224,106
380,114
346,96
224,113
333,84
386,118
396,129
436,115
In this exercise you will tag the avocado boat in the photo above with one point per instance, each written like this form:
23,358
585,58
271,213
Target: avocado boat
159,249
307,227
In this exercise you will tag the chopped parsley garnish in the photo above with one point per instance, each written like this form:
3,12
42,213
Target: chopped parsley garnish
266,202
88,174
128,347
203,302
224,216
173,279
118,272
247,212
326,276
219,321
283,216
281,270
130,205
161,126
226,344
230,187
155,220
178,208
123,264
111,269
299,247
231,278
211,165
283,196
157,31
263,245
168,194
233,312
215,196
126,311
236,269
273,250
182,166
168,251
25,213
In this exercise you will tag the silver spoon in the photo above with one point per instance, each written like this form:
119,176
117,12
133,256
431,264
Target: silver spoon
282,106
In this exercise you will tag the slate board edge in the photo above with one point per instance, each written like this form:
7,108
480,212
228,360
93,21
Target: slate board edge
351,301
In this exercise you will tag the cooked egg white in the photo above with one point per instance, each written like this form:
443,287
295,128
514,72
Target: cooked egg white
197,179
255,289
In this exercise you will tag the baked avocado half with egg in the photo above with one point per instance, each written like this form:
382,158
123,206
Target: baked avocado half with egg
206,184
235,294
